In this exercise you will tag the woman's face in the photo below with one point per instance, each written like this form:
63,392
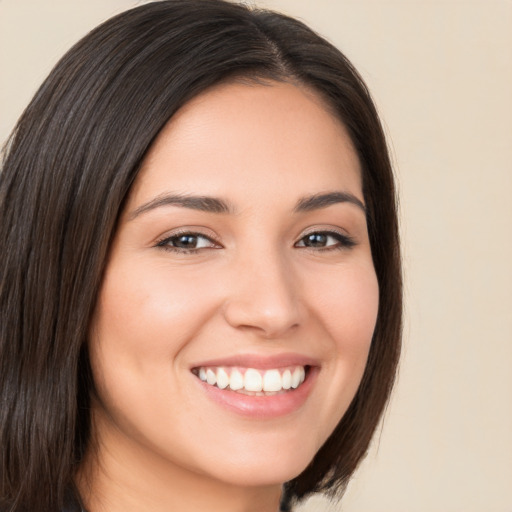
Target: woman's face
241,261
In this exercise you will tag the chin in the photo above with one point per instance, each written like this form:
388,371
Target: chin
257,468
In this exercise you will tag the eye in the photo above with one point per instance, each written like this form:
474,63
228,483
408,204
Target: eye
325,240
187,242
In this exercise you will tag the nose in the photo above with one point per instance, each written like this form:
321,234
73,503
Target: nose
262,296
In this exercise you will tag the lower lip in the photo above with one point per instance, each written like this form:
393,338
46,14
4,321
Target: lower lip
263,407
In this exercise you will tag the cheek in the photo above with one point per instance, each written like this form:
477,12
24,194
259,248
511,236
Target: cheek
359,305
348,313
143,321
145,315
348,307
141,325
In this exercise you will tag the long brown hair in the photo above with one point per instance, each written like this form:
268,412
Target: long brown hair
66,172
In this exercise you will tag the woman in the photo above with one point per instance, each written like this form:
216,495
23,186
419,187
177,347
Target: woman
200,289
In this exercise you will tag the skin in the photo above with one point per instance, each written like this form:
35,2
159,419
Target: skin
253,286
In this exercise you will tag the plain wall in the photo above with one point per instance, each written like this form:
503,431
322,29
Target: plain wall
441,74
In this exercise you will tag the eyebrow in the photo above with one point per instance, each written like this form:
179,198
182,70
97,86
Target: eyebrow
318,201
201,203
216,205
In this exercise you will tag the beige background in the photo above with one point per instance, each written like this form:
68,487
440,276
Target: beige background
441,74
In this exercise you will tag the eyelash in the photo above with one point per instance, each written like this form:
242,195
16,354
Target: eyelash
343,242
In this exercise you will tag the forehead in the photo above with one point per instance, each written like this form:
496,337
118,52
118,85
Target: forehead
236,138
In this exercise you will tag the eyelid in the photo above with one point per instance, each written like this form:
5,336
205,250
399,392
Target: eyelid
324,229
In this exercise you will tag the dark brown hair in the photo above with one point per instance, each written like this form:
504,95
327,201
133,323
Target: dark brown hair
66,172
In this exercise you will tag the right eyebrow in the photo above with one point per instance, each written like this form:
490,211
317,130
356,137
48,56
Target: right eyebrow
318,201
201,203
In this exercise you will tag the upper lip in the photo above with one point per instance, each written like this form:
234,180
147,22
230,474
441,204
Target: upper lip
260,362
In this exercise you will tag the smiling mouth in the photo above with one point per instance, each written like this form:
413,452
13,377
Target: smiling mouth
251,381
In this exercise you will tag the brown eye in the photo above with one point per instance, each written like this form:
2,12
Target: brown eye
316,240
185,242
325,240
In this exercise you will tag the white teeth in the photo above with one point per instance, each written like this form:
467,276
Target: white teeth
211,378
296,376
272,381
222,378
253,381
287,379
236,380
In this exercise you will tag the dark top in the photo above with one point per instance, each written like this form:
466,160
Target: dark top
72,502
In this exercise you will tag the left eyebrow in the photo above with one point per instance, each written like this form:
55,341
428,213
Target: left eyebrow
201,203
318,201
